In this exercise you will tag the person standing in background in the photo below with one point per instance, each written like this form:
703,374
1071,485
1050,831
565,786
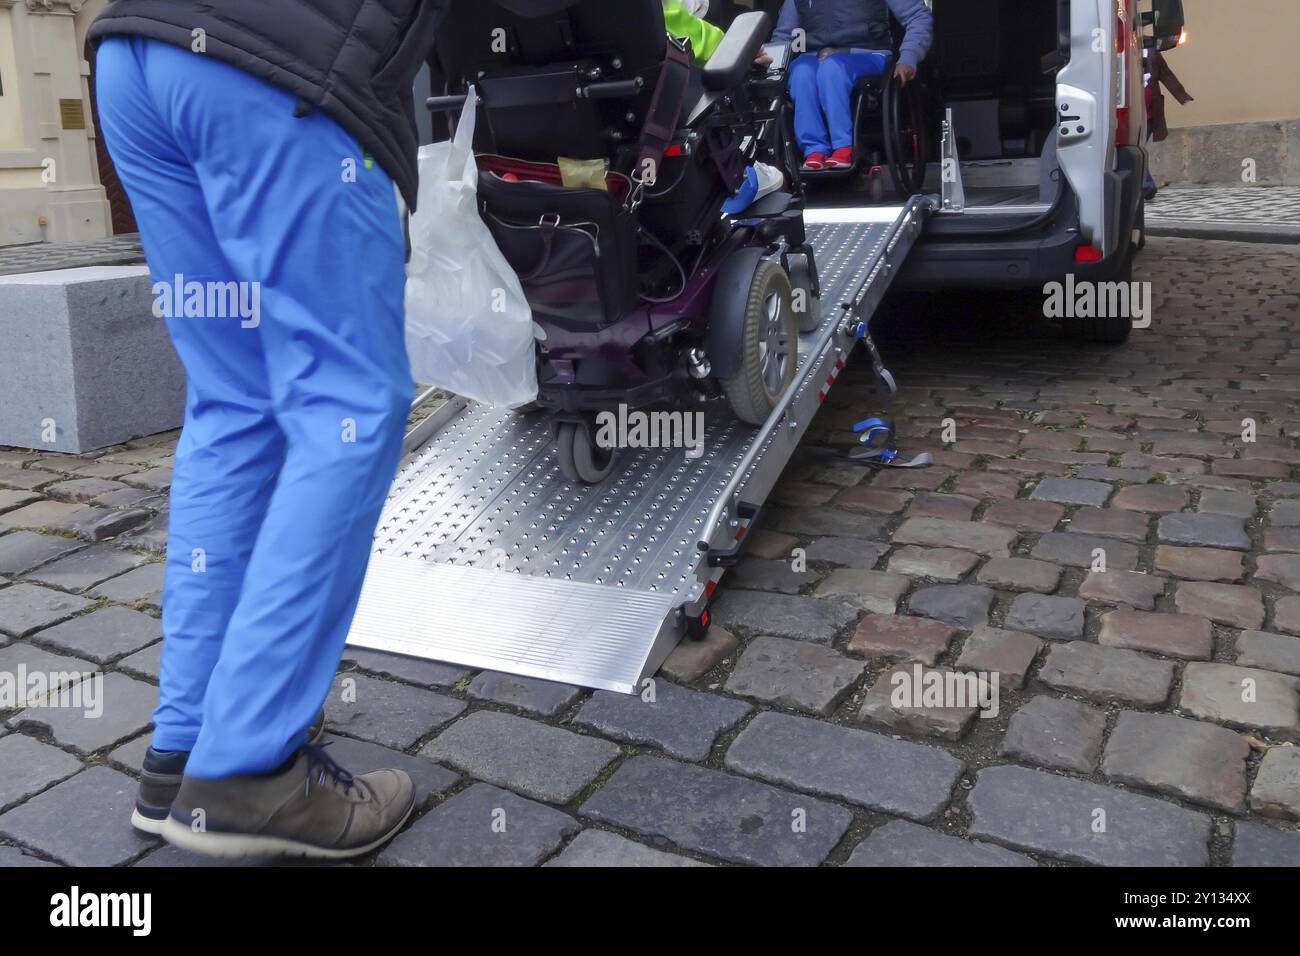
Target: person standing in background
1159,74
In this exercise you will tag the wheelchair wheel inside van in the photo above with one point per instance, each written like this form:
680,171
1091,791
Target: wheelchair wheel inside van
769,346
579,457
906,135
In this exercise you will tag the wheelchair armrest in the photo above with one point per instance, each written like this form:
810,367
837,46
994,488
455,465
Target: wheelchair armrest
734,57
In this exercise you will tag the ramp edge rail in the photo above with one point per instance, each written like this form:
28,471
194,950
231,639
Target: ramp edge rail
835,340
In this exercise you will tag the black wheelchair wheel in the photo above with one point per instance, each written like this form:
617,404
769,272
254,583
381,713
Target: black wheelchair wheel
806,305
769,346
906,135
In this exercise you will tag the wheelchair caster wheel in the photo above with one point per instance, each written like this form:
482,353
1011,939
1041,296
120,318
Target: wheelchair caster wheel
579,457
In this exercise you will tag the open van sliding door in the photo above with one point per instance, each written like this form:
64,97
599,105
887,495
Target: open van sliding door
1086,115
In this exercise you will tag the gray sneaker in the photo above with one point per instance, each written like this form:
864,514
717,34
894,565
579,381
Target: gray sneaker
311,808
160,781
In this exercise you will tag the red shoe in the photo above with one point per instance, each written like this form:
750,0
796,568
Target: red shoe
814,161
840,158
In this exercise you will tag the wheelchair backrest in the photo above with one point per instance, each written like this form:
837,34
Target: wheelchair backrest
529,58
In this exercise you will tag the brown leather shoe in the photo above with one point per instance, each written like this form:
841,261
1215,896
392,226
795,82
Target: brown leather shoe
312,808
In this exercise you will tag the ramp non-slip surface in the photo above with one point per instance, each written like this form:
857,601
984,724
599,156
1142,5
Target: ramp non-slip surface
485,556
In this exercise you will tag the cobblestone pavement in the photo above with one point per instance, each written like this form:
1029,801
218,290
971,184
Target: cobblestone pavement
1247,213
1145,712
1228,204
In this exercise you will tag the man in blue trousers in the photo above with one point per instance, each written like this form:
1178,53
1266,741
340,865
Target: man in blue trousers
837,42
261,144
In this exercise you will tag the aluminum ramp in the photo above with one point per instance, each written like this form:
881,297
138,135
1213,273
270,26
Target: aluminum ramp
486,557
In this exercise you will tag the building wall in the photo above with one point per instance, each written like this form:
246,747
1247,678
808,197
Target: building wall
1241,62
11,117
49,177
1243,128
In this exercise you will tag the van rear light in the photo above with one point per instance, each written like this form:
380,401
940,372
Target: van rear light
1088,254
1122,127
1123,39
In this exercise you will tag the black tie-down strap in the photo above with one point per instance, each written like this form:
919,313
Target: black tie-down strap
664,115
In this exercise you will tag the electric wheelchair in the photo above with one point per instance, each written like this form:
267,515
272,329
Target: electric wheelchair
605,159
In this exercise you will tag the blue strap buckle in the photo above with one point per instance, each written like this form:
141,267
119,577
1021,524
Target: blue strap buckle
873,429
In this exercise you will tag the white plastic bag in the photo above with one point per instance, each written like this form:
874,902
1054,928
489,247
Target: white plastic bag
468,326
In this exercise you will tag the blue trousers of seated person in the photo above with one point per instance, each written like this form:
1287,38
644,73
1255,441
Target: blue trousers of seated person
295,408
822,89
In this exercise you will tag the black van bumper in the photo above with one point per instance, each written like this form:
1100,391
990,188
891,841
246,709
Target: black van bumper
956,254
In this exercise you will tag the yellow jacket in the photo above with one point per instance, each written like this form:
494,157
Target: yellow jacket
680,22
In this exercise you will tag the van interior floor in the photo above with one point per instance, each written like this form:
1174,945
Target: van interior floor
1001,195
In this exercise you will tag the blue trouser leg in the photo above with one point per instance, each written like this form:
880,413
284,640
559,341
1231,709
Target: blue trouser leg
285,480
836,75
230,448
809,125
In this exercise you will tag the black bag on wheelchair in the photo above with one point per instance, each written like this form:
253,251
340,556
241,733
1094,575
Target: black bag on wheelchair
574,248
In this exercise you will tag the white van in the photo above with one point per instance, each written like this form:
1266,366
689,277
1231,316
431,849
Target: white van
1048,125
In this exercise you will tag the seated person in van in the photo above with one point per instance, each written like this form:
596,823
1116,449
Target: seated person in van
842,41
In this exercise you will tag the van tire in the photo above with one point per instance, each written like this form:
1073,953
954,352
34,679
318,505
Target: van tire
1107,329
